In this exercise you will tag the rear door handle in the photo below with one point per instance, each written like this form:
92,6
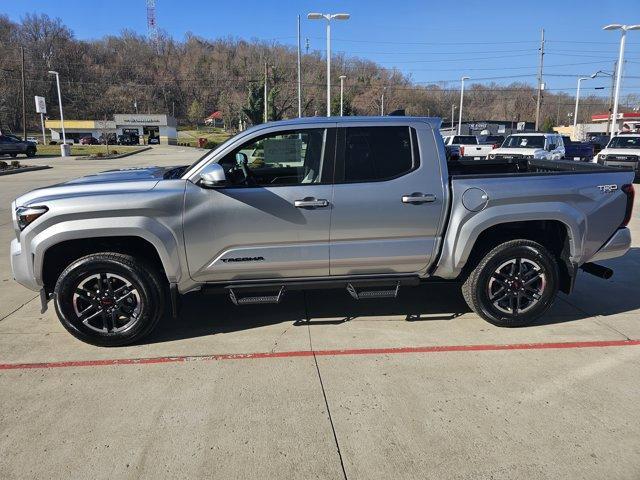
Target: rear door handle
417,197
311,202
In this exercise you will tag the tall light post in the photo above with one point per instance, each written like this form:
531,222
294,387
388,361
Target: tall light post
461,102
328,17
575,113
624,28
63,148
453,114
384,89
342,77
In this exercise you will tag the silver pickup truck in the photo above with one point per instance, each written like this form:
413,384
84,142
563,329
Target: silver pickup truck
363,203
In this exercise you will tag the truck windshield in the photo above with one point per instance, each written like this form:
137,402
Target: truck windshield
524,141
624,142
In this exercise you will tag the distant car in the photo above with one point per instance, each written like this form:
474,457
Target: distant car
13,146
543,146
154,141
469,146
89,141
577,151
33,140
599,142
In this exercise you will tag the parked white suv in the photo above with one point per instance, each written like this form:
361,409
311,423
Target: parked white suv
543,146
622,150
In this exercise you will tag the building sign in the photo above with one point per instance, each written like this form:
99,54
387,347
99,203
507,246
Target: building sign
41,105
521,126
142,119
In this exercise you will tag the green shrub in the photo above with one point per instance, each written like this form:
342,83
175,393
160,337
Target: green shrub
113,152
211,144
99,154
15,163
3,165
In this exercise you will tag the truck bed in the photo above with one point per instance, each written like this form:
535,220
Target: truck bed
521,167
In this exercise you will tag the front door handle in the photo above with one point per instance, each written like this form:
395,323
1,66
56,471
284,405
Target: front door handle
417,197
311,202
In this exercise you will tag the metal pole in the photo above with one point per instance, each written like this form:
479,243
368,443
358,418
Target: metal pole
64,136
539,99
299,74
616,98
453,112
24,102
575,113
613,87
460,111
328,67
266,114
382,102
342,77
44,137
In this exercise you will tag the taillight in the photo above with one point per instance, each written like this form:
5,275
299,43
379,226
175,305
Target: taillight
462,151
631,193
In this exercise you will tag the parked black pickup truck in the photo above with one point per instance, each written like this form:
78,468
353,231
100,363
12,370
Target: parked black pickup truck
578,151
10,145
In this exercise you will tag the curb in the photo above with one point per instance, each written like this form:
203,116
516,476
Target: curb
25,169
115,157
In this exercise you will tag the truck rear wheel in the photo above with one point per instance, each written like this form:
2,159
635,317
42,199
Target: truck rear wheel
31,152
109,299
514,284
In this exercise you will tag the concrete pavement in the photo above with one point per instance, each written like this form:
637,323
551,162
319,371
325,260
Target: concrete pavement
529,413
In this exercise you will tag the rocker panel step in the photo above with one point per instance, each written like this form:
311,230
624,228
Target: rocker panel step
258,299
368,294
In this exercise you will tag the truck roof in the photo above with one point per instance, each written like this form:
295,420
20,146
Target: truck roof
435,122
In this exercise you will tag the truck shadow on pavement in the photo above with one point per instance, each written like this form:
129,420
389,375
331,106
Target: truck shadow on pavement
203,315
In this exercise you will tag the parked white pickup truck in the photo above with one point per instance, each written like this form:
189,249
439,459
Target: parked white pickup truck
469,146
539,146
622,151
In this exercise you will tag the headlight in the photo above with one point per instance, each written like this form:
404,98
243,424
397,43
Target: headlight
26,215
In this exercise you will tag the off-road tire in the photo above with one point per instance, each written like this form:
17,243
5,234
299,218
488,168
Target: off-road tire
476,288
147,281
31,152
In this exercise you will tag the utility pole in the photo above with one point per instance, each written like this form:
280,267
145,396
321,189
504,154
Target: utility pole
266,114
24,103
613,87
539,100
382,101
299,74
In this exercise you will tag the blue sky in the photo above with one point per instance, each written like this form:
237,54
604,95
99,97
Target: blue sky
431,41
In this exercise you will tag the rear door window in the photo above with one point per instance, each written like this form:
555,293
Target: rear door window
371,154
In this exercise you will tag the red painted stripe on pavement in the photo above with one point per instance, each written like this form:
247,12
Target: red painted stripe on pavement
324,353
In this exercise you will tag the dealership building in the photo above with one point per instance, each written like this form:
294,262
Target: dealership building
145,126
627,122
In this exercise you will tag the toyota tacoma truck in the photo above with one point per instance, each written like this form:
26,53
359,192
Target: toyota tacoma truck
368,204
469,146
537,146
622,151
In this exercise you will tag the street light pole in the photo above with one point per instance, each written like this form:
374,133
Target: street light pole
299,74
342,77
453,113
63,149
575,113
623,38
384,89
328,17
461,103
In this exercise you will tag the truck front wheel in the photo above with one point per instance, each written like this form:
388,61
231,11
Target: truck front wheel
514,284
109,299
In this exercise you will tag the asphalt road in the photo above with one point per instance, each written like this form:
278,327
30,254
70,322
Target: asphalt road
321,386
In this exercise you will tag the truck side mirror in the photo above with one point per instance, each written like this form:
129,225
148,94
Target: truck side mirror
213,176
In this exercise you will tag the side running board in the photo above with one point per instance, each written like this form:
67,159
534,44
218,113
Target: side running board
256,299
367,294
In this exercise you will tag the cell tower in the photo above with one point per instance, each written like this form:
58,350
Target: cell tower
152,27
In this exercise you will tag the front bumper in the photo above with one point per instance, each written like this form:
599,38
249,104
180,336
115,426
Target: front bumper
22,267
617,246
